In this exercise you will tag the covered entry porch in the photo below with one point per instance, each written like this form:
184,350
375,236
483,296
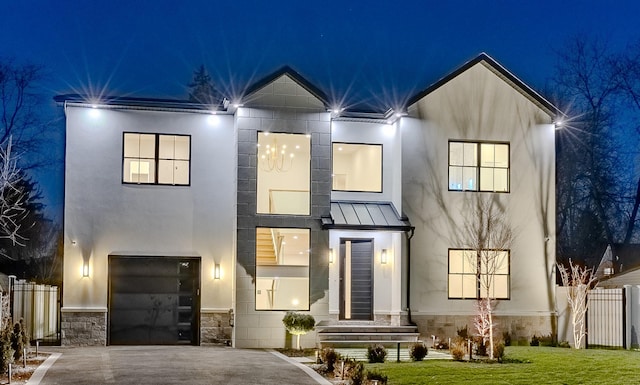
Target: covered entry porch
366,270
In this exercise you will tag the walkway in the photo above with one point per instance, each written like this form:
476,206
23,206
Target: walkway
155,365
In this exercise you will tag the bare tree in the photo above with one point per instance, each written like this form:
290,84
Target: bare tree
577,280
21,115
598,180
489,236
12,198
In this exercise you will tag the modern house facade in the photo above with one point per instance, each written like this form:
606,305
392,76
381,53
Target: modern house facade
187,224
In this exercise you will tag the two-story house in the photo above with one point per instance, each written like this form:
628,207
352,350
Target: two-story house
189,223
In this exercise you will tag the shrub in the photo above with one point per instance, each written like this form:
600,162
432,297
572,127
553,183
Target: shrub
457,350
298,324
376,353
374,375
480,346
329,357
6,352
18,338
345,369
535,341
498,351
547,340
442,345
357,374
463,332
506,337
418,351
564,344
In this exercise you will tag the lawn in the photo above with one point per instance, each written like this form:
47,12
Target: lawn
529,365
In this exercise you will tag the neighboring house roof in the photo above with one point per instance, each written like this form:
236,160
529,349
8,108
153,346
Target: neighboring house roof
501,71
365,216
628,277
295,76
619,258
127,101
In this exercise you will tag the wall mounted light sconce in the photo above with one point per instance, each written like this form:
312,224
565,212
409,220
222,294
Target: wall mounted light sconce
558,124
331,256
216,271
85,268
383,257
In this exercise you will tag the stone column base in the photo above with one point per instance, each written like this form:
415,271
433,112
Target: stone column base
215,327
83,328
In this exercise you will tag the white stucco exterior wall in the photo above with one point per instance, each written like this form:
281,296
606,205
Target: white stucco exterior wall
373,133
477,105
103,216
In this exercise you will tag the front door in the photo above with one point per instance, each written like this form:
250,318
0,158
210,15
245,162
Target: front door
356,279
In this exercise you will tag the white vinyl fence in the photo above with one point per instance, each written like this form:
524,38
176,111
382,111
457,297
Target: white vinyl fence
37,305
613,317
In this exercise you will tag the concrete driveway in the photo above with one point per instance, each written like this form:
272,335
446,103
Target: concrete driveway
173,365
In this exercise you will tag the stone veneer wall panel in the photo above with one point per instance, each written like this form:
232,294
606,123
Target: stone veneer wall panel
521,328
215,327
85,328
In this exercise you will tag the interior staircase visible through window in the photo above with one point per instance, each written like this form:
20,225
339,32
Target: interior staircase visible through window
265,248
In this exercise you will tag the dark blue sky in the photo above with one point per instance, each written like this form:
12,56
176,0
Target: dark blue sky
379,52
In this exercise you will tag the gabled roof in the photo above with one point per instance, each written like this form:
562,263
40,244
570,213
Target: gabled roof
501,71
621,257
127,101
365,216
296,77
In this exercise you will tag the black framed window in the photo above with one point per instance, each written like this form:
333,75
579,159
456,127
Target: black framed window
476,166
282,268
356,167
475,274
156,159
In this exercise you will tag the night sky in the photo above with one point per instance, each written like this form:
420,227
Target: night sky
376,52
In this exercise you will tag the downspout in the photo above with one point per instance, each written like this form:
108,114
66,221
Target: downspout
409,234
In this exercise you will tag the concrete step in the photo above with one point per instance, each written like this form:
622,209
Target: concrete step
326,337
361,329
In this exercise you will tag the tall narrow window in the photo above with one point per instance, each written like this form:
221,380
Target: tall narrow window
283,174
357,167
282,269
478,166
156,159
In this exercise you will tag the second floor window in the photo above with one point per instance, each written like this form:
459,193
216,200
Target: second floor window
283,180
357,167
478,166
156,159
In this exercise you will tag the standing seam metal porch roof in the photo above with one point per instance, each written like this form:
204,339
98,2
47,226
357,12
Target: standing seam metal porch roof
365,216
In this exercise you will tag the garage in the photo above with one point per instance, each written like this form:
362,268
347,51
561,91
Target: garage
154,300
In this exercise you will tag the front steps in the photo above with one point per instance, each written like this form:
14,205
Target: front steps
362,334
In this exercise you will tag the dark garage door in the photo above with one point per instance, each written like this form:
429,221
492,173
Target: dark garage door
154,300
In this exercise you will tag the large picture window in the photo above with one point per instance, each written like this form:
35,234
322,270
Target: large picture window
357,167
479,274
283,174
478,166
156,159
282,269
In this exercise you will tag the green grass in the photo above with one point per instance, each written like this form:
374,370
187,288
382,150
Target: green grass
530,365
